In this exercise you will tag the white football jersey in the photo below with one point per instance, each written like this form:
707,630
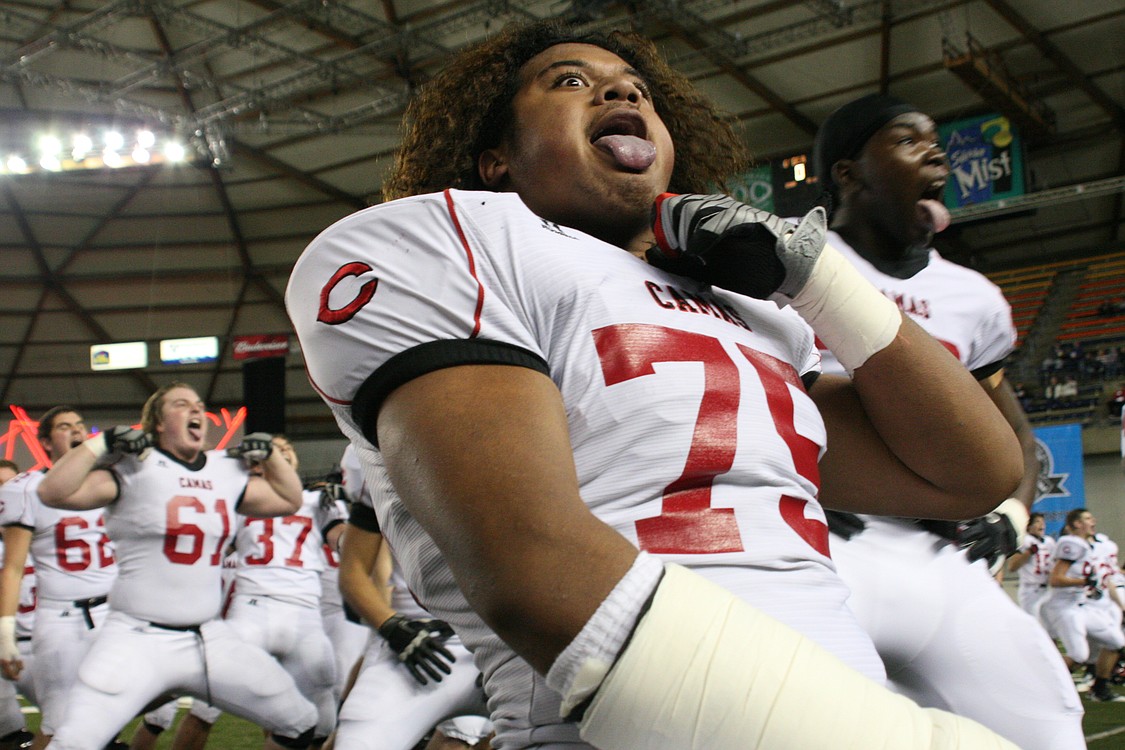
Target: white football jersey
692,433
1079,553
1037,569
74,556
283,557
958,306
171,523
1104,556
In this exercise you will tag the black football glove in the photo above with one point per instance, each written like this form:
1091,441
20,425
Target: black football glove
330,494
991,538
254,448
726,243
1093,590
418,644
125,439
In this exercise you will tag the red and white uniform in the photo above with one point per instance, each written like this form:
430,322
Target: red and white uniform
276,602
949,636
387,709
75,569
692,433
1066,612
11,717
1104,558
171,522
1035,572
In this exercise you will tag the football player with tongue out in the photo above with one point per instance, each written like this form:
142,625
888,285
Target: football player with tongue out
948,635
603,472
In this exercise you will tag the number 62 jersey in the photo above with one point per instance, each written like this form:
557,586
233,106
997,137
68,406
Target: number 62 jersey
691,429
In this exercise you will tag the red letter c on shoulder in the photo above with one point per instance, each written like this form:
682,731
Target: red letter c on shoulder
348,311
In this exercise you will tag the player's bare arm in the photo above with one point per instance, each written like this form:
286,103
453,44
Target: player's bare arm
17,542
473,470
277,492
1000,391
1059,578
358,556
968,462
74,484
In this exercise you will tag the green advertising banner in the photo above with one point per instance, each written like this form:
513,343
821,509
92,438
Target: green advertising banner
985,160
755,187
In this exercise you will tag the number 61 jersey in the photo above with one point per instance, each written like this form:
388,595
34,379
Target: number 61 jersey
691,429
170,525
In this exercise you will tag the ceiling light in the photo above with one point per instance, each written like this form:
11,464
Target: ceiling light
175,151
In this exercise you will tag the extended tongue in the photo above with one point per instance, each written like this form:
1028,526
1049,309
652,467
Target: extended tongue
629,151
935,214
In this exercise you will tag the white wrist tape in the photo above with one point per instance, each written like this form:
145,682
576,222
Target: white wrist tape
1017,514
851,317
584,663
9,649
96,445
706,671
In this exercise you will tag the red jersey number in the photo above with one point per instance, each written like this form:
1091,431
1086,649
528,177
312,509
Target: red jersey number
266,543
75,554
176,529
687,523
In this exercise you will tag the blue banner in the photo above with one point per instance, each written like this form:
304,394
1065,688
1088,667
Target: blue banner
985,160
1061,486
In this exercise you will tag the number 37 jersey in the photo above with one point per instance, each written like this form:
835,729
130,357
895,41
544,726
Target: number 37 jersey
691,430
170,525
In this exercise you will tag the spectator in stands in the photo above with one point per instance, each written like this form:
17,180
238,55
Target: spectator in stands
1022,395
1050,391
1117,401
1067,390
1050,366
1111,307
1110,360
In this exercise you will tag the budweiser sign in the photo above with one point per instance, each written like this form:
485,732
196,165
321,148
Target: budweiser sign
261,345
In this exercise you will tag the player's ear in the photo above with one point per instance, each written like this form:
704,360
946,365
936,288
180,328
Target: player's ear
845,174
492,166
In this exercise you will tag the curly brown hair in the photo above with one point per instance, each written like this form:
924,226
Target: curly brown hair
466,109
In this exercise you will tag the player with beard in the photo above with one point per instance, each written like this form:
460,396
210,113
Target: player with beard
75,569
948,635
170,509
608,472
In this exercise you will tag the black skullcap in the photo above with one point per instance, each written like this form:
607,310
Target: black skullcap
844,133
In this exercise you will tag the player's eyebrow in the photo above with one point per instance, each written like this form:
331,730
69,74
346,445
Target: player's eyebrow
582,65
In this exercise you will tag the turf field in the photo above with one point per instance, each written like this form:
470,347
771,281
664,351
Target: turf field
1104,725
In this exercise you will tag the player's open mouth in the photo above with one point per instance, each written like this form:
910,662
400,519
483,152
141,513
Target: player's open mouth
623,135
931,210
75,443
195,428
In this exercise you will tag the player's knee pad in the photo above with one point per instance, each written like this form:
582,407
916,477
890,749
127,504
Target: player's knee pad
300,742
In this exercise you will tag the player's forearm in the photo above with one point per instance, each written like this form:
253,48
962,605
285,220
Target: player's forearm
284,481
367,599
10,579
65,478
